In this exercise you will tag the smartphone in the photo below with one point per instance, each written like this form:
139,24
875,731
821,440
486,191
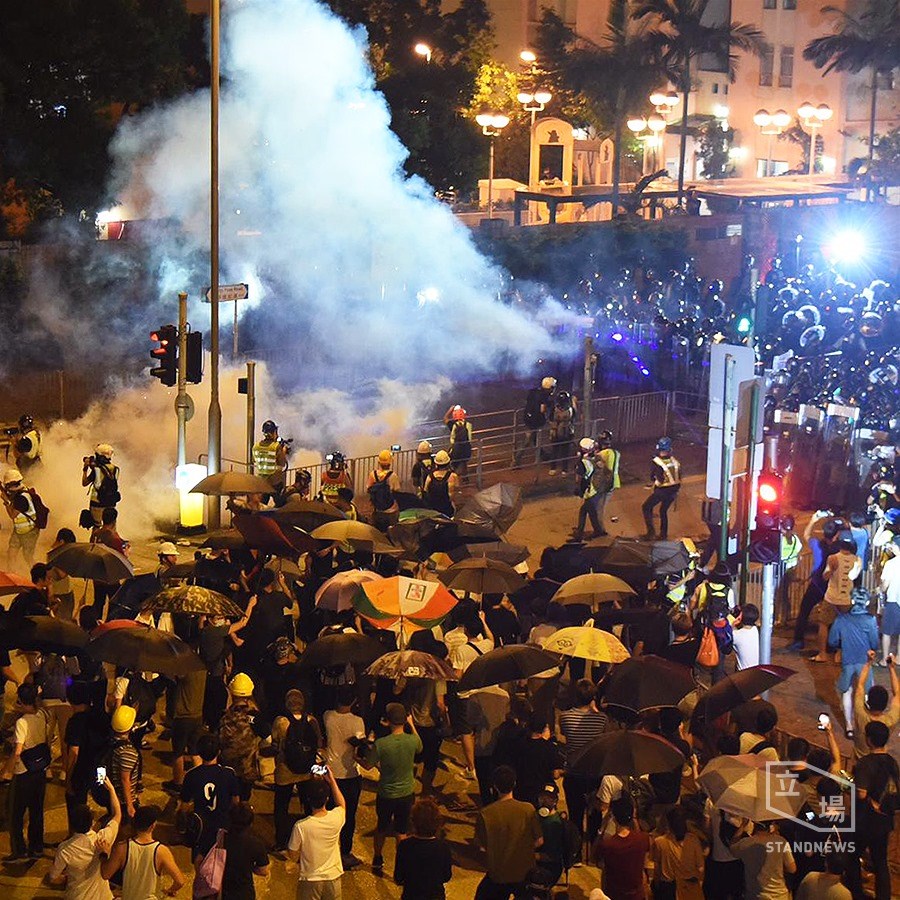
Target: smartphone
824,721
319,770
810,816
101,774
395,448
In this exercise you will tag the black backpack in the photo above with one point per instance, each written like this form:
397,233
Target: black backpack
141,696
380,492
300,746
461,446
533,416
108,492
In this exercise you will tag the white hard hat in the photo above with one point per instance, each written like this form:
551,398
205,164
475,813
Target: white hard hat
167,548
103,450
587,443
11,476
548,383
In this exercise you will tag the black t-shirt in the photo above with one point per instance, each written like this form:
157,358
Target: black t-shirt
504,625
211,788
32,602
245,851
277,681
423,867
879,776
89,731
268,620
214,648
535,761
683,652
667,785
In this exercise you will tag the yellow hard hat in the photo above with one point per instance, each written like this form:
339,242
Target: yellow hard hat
385,457
241,685
123,719
442,458
424,447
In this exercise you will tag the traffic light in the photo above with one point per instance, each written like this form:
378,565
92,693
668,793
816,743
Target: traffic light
766,543
165,355
194,354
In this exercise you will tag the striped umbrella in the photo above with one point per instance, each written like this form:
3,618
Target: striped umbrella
337,593
403,604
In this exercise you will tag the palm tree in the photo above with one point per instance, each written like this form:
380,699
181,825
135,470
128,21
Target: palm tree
869,40
607,75
681,32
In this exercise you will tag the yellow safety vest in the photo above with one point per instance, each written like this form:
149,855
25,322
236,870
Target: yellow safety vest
671,471
25,521
331,484
265,460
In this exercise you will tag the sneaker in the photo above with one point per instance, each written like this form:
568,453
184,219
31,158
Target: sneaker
378,864
349,861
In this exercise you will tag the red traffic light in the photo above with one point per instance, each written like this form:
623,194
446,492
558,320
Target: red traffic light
769,492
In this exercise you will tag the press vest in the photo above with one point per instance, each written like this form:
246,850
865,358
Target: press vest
25,521
265,459
671,470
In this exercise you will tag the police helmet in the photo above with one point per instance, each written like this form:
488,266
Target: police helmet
604,439
664,445
336,459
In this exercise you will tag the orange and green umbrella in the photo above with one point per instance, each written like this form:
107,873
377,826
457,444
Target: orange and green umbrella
403,604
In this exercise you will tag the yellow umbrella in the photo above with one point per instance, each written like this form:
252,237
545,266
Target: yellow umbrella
592,589
586,642
350,530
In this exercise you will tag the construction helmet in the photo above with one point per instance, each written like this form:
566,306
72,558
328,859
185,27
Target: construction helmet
241,685
123,719
605,438
385,457
104,450
269,427
12,476
664,445
442,458
424,448
586,444
303,476
548,383
167,548
458,413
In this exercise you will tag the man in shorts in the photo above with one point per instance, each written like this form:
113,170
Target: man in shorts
395,756
187,724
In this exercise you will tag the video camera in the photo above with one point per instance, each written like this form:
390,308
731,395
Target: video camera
89,460
10,430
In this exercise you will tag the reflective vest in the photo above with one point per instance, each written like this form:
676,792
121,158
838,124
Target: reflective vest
671,470
25,521
265,457
790,550
332,483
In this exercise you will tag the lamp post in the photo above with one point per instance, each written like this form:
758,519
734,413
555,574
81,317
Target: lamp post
422,49
533,101
771,124
814,117
492,123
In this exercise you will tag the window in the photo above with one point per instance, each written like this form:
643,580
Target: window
715,87
766,67
786,70
788,4
770,4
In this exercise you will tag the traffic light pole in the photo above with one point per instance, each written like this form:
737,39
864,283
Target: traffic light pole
182,402
588,386
728,413
751,490
767,613
251,412
214,438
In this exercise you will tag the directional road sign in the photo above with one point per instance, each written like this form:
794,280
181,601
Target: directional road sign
229,292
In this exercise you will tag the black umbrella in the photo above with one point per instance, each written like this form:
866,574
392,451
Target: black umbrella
127,600
44,633
536,589
627,753
647,682
511,554
504,664
225,539
94,561
340,649
668,558
481,575
305,514
733,690
496,507
143,649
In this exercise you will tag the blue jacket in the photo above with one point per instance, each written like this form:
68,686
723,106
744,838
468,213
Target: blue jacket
856,634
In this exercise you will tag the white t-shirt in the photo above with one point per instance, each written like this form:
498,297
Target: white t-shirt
890,580
78,858
318,840
746,646
462,652
30,730
340,755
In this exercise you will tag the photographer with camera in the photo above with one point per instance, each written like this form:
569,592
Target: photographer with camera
102,476
270,456
27,447
22,508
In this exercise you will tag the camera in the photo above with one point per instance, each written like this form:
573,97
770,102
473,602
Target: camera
395,448
89,460
10,431
285,442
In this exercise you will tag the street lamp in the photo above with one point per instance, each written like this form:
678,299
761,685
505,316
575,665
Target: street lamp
492,123
771,124
533,100
814,117
423,49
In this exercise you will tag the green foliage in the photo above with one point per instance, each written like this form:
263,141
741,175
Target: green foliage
715,142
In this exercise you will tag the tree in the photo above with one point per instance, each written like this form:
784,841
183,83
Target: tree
869,40
606,76
715,142
682,31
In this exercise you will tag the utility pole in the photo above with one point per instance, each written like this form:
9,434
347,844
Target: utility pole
251,412
767,614
183,405
730,407
214,437
750,484
588,386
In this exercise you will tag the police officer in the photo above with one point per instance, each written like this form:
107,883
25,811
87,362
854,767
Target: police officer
27,448
665,474
270,456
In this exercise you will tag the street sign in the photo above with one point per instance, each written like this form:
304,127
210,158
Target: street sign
744,370
229,293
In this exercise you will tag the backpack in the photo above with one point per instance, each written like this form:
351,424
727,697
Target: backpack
53,677
300,747
108,492
602,478
41,512
380,492
438,494
533,416
141,697
461,446
642,796
563,426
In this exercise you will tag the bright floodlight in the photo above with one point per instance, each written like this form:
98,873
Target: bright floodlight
617,336
781,118
655,122
428,295
528,56
423,50
658,98
824,112
484,119
671,99
500,121
762,117
637,124
720,111
847,246
525,98
543,96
